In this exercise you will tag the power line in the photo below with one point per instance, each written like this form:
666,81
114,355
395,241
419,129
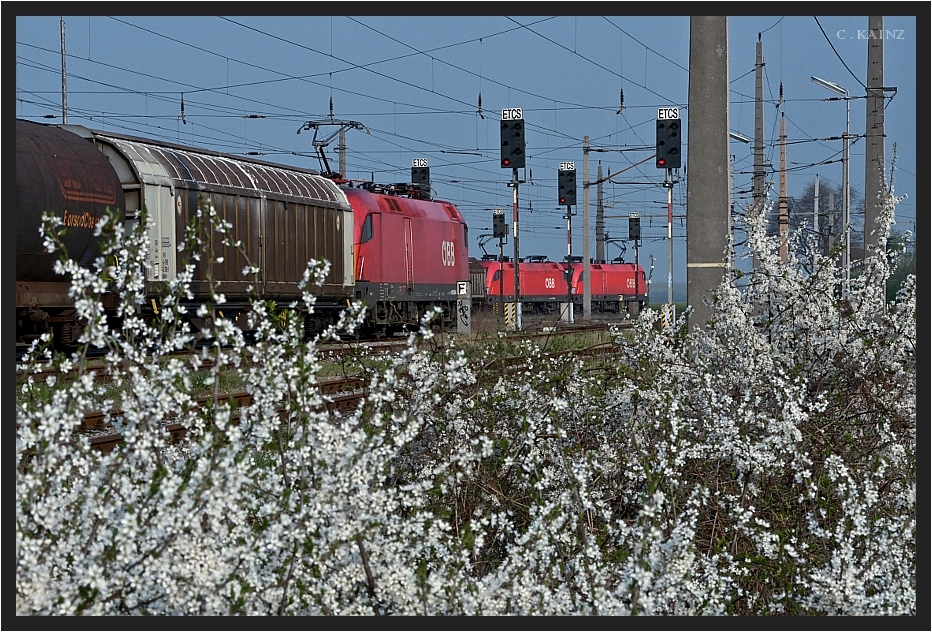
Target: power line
771,26
856,78
662,56
594,63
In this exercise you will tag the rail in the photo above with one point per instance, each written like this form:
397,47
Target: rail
343,396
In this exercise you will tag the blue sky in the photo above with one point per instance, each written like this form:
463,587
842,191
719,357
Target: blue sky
414,82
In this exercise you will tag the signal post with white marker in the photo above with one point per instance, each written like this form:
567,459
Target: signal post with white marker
513,157
668,157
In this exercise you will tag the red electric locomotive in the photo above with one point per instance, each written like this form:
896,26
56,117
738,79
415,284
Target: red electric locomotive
613,285
410,254
543,284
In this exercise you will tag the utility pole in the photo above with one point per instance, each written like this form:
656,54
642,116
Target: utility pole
64,81
587,262
514,197
874,130
341,150
569,264
846,198
708,195
668,183
599,218
501,278
815,223
757,182
845,186
587,290
784,208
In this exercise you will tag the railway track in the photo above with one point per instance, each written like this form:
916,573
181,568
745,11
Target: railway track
331,351
566,330
343,395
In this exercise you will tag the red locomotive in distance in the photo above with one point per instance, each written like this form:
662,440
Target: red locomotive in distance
543,284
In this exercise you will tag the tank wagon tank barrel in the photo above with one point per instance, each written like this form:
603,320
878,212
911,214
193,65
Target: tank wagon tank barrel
60,173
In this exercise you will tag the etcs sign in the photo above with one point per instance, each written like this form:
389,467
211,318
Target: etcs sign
419,162
668,114
512,114
567,166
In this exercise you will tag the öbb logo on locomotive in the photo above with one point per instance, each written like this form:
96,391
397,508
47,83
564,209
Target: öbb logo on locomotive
448,256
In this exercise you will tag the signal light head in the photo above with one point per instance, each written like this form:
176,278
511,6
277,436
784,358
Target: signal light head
668,144
513,144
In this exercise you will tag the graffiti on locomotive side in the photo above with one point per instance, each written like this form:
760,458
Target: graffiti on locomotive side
448,254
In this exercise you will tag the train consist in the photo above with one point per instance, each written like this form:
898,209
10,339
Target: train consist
390,246
401,254
614,287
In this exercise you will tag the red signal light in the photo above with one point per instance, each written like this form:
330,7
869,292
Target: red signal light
506,162
562,200
661,162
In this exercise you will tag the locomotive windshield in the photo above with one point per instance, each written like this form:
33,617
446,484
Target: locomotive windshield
366,230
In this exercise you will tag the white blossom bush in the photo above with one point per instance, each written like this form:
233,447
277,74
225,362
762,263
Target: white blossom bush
763,464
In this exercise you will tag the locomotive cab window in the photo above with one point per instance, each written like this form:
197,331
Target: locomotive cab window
497,275
366,230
